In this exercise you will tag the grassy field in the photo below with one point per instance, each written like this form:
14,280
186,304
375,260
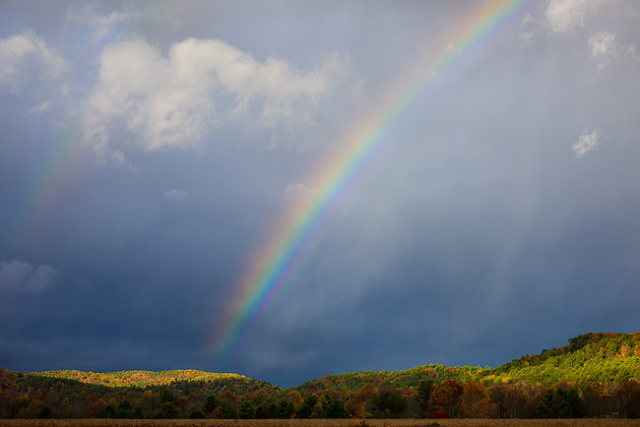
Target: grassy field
321,423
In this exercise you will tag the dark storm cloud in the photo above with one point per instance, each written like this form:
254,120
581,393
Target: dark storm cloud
497,216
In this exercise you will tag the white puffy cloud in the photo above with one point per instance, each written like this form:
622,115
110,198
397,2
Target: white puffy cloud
178,196
602,44
588,141
19,276
602,47
27,55
566,15
174,100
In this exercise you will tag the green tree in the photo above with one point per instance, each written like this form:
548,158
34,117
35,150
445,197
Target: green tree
167,410
560,403
422,397
45,412
308,404
107,412
167,396
284,409
263,412
336,409
167,403
195,413
391,403
210,404
246,410
227,410
125,410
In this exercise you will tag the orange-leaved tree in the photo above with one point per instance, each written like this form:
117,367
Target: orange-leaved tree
446,397
475,401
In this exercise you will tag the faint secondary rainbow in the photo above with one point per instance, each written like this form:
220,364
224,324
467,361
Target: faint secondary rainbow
42,173
274,266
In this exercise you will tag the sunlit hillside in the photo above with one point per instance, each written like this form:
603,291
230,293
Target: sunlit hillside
595,375
602,357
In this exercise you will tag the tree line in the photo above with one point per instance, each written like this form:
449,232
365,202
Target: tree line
446,399
596,375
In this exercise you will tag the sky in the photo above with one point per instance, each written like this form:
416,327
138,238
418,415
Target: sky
287,190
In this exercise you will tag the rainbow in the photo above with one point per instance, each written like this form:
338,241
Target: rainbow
274,266
49,168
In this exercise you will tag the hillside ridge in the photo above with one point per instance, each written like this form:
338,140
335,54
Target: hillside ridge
594,356
140,378
594,375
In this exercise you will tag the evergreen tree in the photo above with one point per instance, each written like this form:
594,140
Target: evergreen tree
195,414
107,412
423,395
246,411
210,404
263,412
391,403
336,409
125,410
45,412
560,403
308,404
284,409
227,410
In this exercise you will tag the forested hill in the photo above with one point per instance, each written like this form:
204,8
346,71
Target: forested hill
409,378
148,378
595,375
602,357
188,378
592,357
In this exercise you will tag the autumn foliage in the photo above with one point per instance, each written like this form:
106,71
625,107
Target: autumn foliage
595,375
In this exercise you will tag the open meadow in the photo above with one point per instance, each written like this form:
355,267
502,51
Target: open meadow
323,423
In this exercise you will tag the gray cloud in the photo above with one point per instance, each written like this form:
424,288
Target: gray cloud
19,276
495,213
177,196
101,25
